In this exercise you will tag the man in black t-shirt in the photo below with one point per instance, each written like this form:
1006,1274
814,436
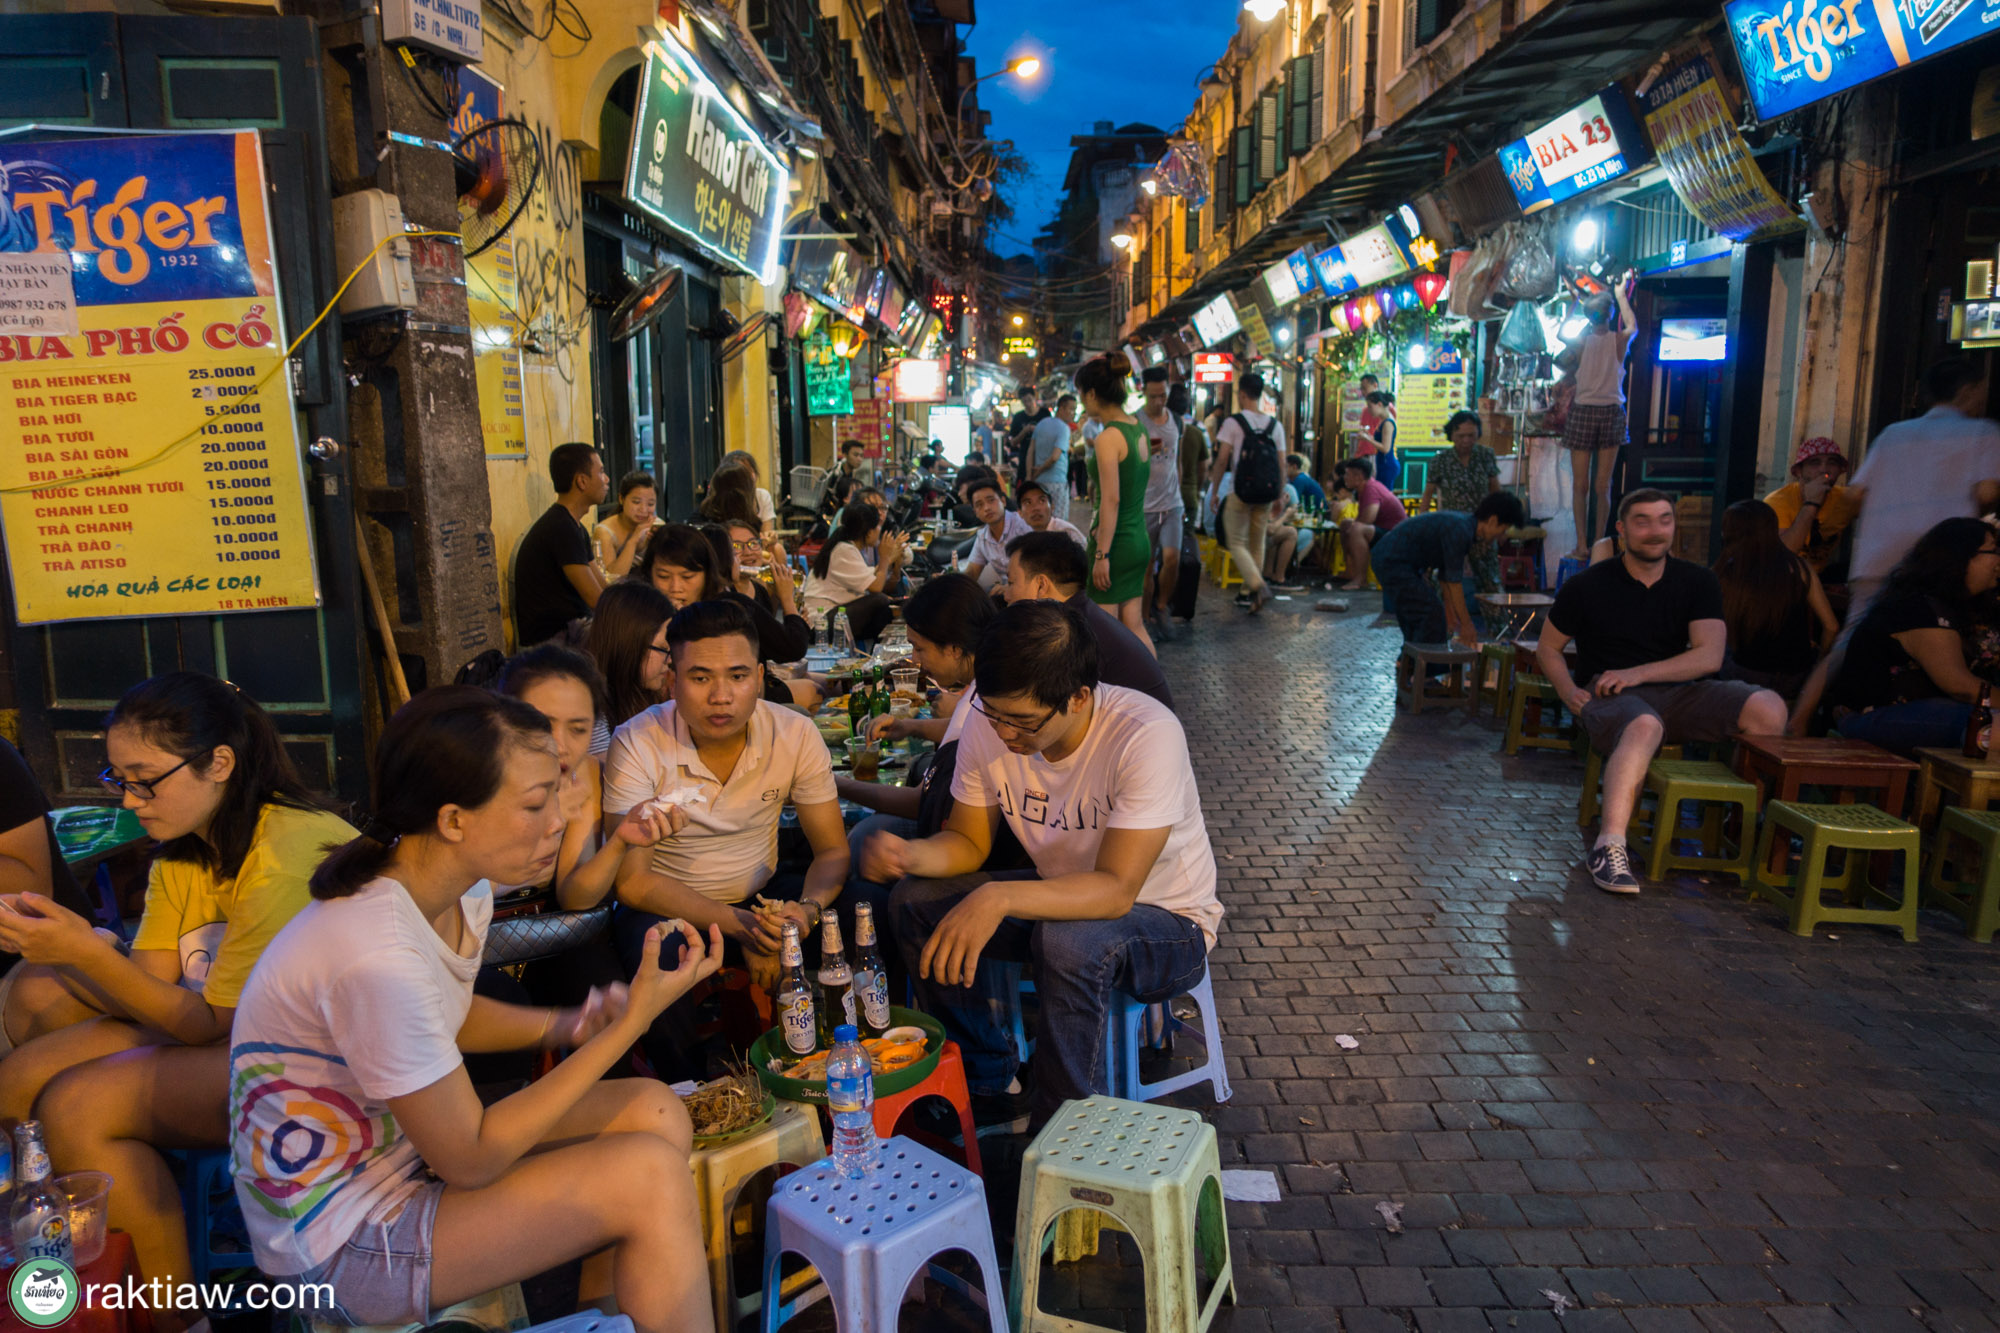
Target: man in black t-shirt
1048,566
1021,430
1649,637
556,577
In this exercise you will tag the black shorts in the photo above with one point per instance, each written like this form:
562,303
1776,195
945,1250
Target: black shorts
1695,710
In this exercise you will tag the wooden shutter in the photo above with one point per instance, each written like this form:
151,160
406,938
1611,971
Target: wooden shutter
1343,69
1191,232
1299,82
1270,134
1246,162
1318,118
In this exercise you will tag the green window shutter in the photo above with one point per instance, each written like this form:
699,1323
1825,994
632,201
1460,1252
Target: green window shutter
1191,235
1270,135
1246,152
1299,82
1318,117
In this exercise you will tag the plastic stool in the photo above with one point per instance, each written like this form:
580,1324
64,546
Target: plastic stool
1156,1171
1825,828
1413,686
208,1197
1499,659
869,1237
1225,569
1537,695
792,1140
1714,787
584,1321
1975,902
1128,1017
946,1081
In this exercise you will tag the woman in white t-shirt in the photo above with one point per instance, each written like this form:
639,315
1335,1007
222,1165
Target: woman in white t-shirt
363,1158
840,574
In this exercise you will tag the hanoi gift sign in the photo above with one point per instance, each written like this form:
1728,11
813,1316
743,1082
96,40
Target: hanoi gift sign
1794,54
154,465
697,166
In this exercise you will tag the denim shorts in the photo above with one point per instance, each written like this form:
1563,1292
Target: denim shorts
383,1274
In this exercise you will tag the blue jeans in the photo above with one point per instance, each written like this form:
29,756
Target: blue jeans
1149,953
1904,728
1419,609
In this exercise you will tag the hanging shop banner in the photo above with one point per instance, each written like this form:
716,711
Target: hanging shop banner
1259,332
827,271
1330,266
1281,285
697,166
829,378
1793,58
493,297
1426,397
1710,167
919,381
1214,368
1579,150
870,422
1217,321
155,467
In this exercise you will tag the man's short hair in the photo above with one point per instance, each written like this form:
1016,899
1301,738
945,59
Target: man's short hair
1051,555
1153,375
1503,505
1945,378
952,611
1370,378
1041,649
1021,491
1028,391
1065,401
845,445
985,481
567,461
1297,460
1645,495
1365,466
1250,386
710,620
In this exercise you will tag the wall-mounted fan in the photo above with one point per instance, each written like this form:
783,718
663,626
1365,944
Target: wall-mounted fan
498,164
732,346
642,306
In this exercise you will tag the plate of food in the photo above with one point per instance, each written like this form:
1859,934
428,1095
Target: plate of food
729,1108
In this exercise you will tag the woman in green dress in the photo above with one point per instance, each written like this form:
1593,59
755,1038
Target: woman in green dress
1119,549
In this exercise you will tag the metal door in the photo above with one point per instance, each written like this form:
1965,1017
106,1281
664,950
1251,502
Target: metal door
106,71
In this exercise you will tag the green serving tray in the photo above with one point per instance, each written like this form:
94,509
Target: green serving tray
798,1090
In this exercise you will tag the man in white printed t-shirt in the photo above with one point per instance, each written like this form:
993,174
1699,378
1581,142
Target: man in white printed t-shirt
728,763
1096,783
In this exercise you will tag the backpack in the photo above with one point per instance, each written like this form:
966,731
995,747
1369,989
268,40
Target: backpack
1260,475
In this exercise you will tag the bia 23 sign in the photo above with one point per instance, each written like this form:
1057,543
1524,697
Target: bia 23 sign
697,166
1584,147
1794,52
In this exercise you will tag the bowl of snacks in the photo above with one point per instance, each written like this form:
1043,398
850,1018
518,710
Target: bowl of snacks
903,1057
729,1108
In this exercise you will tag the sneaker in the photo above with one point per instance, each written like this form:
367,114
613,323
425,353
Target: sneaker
1242,599
1000,1112
1610,869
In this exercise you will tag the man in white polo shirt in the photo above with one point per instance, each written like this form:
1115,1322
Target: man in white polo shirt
729,763
1096,783
998,525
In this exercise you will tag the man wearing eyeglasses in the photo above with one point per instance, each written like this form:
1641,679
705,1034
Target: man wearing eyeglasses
1096,784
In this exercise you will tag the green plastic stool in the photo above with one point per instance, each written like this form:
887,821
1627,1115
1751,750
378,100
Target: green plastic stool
1156,1171
1498,658
1716,788
1975,902
1589,801
1545,735
1826,828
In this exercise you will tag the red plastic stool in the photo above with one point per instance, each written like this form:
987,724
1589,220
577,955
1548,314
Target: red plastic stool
946,1081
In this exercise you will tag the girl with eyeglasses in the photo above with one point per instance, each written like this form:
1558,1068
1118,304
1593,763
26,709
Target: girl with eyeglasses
118,1052
628,641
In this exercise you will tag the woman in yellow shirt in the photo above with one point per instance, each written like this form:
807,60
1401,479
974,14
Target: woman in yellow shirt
117,1053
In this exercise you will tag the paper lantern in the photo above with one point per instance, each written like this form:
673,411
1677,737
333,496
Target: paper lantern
1386,301
1371,311
1406,297
1351,312
1430,288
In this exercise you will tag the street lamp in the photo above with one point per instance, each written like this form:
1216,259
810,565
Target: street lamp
1122,239
1019,321
1021,67
1264,10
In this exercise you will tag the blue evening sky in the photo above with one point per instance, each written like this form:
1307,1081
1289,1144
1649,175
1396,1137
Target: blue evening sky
1115,60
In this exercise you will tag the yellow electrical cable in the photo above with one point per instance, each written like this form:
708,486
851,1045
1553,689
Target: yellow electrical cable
249,400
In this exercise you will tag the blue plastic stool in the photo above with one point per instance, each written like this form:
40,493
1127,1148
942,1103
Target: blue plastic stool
1566,567
208,1175
1129,1017
869,1237
1015,986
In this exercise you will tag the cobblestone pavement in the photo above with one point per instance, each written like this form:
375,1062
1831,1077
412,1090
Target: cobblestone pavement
1663,1113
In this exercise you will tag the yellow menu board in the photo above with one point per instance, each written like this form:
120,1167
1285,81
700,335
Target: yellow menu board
150,464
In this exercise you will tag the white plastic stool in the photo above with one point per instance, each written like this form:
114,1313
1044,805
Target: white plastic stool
790,1141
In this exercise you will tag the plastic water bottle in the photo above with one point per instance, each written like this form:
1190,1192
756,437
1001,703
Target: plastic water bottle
850,1095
